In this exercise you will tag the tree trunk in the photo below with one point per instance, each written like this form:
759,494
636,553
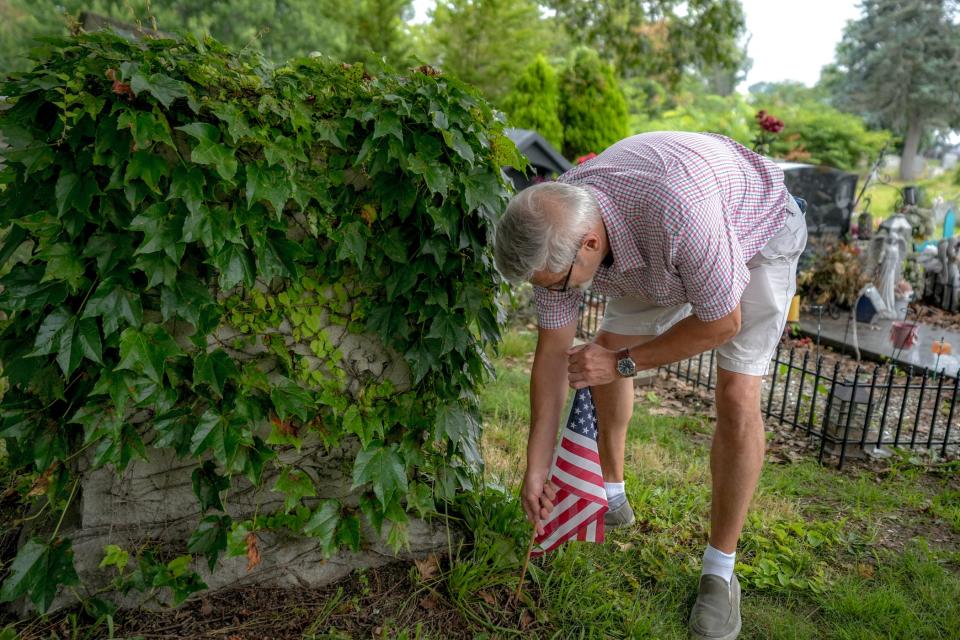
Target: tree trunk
908,161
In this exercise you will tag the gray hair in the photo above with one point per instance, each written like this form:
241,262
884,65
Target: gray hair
542,228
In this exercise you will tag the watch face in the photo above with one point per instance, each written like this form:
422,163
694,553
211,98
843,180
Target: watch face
626,367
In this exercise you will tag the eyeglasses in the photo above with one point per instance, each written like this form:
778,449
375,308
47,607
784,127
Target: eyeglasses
566,280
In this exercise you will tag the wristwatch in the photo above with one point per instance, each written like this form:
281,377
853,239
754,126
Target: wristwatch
626,367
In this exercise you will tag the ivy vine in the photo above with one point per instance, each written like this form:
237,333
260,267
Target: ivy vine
175,215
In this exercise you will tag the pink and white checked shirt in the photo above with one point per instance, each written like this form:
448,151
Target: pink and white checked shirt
684,212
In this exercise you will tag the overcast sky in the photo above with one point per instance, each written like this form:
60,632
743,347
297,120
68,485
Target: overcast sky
790,39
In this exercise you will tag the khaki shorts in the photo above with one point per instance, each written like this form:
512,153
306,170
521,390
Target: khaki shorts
763,306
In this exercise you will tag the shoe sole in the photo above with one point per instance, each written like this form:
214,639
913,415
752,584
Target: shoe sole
617,525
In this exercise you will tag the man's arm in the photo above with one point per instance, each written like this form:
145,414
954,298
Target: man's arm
548,392
686,338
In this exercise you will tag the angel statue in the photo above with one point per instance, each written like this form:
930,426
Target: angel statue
888,250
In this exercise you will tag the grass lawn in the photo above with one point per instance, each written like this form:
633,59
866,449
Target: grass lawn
824,554
858,554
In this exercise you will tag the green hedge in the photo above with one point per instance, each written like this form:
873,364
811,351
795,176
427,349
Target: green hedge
157,191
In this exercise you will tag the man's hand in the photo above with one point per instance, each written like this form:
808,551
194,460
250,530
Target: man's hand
591,365
538,496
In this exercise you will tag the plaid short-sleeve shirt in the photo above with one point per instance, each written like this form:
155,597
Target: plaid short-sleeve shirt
684,212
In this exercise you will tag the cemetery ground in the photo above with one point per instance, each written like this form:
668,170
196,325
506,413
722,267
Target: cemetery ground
872,551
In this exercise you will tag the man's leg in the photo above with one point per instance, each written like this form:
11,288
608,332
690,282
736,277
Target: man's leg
736,456
614,404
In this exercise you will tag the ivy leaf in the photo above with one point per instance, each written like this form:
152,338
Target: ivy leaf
50,331
277,256
235,266
113,303
214,368
323,525
210,538
434,174
270,183
187,184
455,140
290,399
62,264
209,150
208,433
294,485
73,192
381,466
348,532
482,189
160,86
401,281
208,485
38,570
146,127
388,123
161,232
450,333
353,242
23,289
394,245
147,351
148,167
71,352
158,267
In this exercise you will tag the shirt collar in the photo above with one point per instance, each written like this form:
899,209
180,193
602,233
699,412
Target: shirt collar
623,243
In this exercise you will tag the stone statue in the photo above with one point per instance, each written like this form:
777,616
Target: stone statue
948,278
888,250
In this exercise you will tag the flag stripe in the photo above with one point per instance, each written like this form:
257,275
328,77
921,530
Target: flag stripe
564,515
567,532
583,441
564,481
578,472
580,456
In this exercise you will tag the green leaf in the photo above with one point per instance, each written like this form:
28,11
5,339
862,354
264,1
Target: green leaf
455,140
71,352
436,175
209,433
294,485
394,245
73,192
113,303
270,183
388,123
235,265
62,264
348,532
208,485
450,332
187,184
290,399
322,525
214,368
147,351
210,538
209,151
381,466
160,86
146,127
38,570
148,167
114,556
353,242
50,331
161,232
88,336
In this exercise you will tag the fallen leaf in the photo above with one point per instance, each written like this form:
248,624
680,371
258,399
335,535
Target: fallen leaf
487,597
526,619
205,607
429,602
42,483
253,551
428,567
623,546
865,570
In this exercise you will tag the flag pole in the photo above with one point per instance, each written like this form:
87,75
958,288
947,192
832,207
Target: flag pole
526,561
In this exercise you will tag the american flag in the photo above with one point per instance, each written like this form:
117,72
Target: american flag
581,500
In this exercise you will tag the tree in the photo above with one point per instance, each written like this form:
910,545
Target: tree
657,38
899,66
487,43
593,110
359,31
534,102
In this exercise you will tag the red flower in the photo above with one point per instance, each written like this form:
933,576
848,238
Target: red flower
583,159
768,122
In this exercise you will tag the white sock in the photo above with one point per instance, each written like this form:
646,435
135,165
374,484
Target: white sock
718,563
616,494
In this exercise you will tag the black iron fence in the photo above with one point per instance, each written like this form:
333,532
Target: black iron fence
850,412
943,295
847,410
